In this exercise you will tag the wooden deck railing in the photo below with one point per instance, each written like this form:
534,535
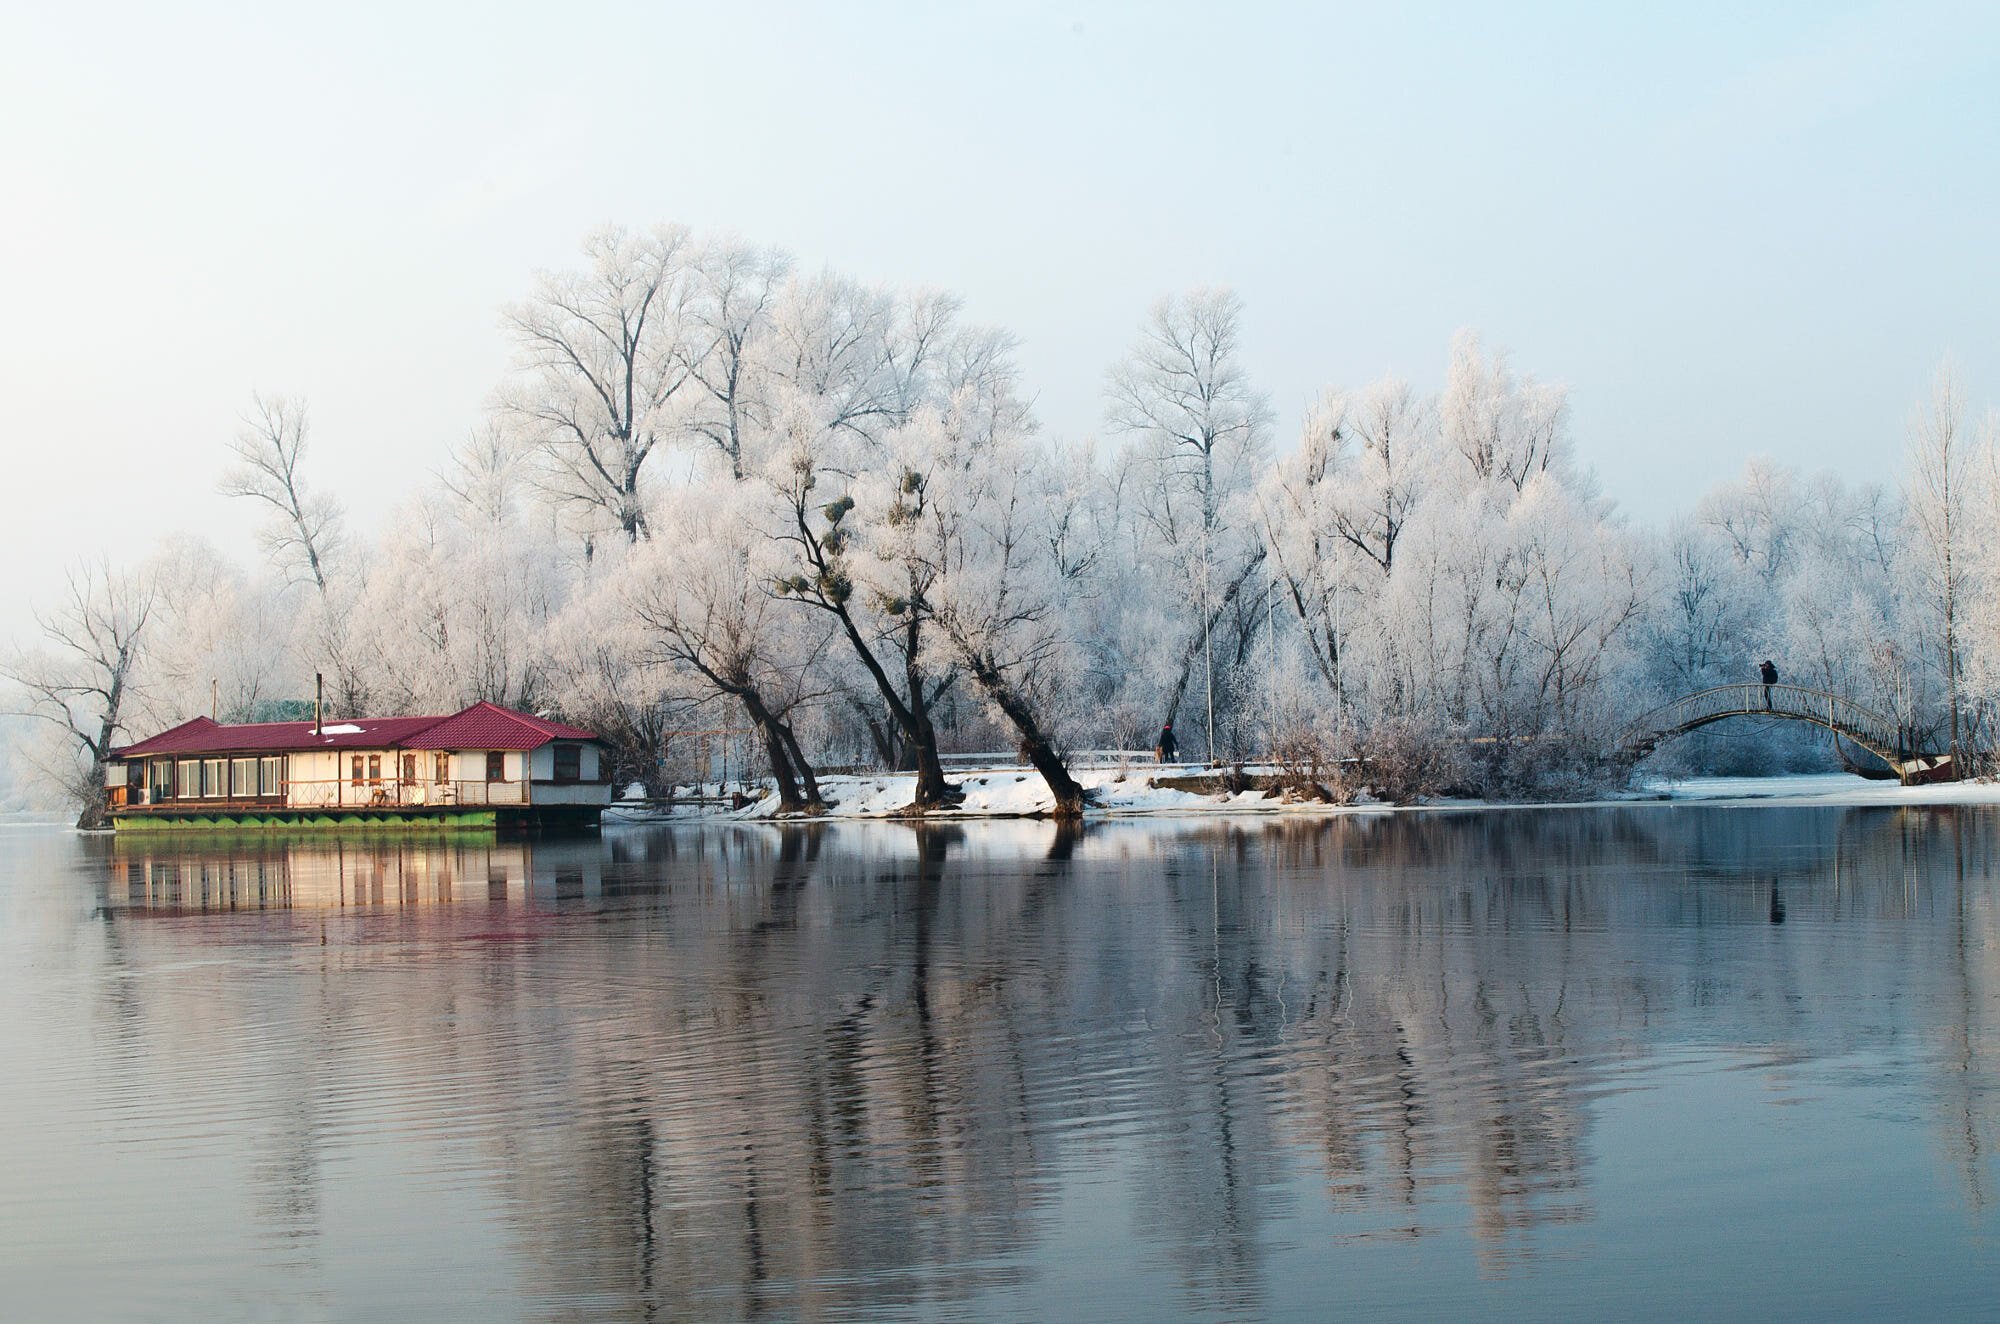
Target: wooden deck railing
346,793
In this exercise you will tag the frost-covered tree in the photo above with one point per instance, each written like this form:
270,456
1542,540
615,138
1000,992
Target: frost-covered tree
833,345
710,612
82,681
486,477
1760,515
1937,489
602,676
1802,569
730,319
1507,431
304,534
603,376
220,639
1582,591
859,366
978,549
1702,614
303,530
1333,512
1980,672
458,610
1449,570
1198,436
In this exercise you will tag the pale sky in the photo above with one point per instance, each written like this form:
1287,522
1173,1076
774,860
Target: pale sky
1731,229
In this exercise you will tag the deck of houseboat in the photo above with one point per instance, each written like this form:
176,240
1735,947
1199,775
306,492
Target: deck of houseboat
389,802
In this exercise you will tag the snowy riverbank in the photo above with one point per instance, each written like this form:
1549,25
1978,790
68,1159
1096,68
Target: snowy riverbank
1013,793
1833,788
1020,793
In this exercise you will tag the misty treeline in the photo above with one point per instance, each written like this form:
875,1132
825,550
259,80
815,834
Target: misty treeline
717,492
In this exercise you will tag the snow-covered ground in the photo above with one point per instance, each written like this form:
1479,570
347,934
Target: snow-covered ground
1017,792
1007,792
1020,792
1822,788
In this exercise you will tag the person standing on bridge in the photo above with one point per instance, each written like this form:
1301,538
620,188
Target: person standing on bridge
1165,749
1769,675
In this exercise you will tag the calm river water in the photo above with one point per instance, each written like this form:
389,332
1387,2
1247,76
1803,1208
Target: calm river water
1649,1061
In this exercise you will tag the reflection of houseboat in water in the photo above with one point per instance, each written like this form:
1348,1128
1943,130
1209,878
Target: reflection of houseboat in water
485,766
171,874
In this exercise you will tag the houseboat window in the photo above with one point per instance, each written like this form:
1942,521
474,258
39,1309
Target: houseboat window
496,766
374,767
355,767
188,783
214,779
444,767
569,763
409,767
163,781
271,776
243,778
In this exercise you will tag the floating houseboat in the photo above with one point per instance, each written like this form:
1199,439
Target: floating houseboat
485,766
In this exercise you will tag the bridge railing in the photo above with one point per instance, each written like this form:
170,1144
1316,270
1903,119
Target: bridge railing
1861,725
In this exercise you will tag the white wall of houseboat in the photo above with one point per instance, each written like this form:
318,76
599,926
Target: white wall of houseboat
542,762
325,779
310,777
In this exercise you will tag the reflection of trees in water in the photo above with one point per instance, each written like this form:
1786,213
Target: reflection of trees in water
1431,1052
844,1069
792,1123
1969,1078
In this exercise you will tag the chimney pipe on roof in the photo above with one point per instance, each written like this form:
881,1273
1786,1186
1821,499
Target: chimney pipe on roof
319,700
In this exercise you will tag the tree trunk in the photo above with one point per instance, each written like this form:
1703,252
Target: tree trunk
96,808
813,802
1194,647
911,712
882,737
96,802
1179,691
932,789
912,718
1070,798
789,801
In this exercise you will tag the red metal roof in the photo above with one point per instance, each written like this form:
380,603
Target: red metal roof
482,726
188,734
489,726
